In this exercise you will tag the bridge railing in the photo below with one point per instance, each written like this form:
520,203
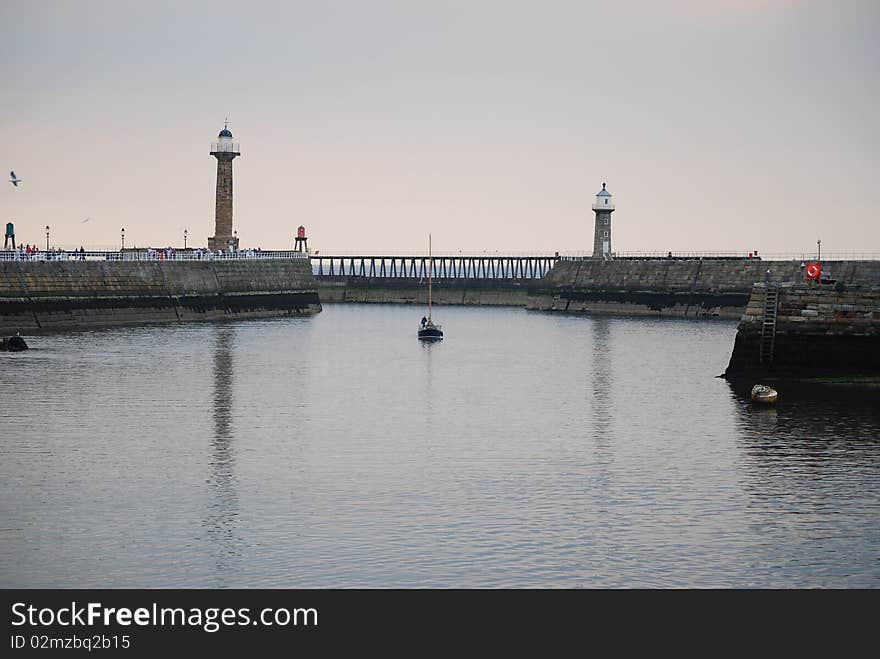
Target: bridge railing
444,266
336,253
150,255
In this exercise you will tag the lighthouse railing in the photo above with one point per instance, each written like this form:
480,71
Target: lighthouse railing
224,147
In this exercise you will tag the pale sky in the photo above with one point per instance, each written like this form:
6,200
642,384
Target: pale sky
736,125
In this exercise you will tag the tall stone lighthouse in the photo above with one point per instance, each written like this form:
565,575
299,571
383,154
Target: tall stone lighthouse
603,207
225,151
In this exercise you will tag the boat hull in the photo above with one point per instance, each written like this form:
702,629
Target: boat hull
763,395
430,334
15,344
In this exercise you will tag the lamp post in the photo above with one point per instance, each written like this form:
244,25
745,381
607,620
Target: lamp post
235,239
184,240
819,250
47,237
123,239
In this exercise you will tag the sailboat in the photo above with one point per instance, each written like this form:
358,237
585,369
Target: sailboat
428,331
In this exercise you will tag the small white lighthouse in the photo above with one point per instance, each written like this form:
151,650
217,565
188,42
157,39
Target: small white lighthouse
603,207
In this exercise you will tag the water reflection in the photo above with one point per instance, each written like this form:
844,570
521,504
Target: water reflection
805,467
601,380
812,419
602,408
813,410
428,348
222,517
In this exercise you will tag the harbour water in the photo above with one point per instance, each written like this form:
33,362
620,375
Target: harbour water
524,450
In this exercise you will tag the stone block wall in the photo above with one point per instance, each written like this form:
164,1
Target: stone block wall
676,287
704,275
404,290
37,295
819,331
852,309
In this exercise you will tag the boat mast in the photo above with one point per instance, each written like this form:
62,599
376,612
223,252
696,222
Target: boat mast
430,273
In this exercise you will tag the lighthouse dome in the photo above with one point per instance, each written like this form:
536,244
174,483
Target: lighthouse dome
603,200
225,133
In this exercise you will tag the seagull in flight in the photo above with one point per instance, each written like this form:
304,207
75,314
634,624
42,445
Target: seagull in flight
86,220
14,179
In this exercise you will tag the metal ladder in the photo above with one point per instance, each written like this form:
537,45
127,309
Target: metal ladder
768,322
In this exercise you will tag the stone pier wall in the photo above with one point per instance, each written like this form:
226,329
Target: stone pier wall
820,331
661,287
39,295
402,290
675,287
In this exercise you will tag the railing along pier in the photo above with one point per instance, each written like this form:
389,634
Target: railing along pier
150,255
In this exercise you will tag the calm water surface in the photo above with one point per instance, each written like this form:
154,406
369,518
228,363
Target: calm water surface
526,449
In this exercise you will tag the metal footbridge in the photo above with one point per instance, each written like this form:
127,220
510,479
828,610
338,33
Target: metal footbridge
444,266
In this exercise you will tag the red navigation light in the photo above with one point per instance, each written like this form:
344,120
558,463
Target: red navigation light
301,232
